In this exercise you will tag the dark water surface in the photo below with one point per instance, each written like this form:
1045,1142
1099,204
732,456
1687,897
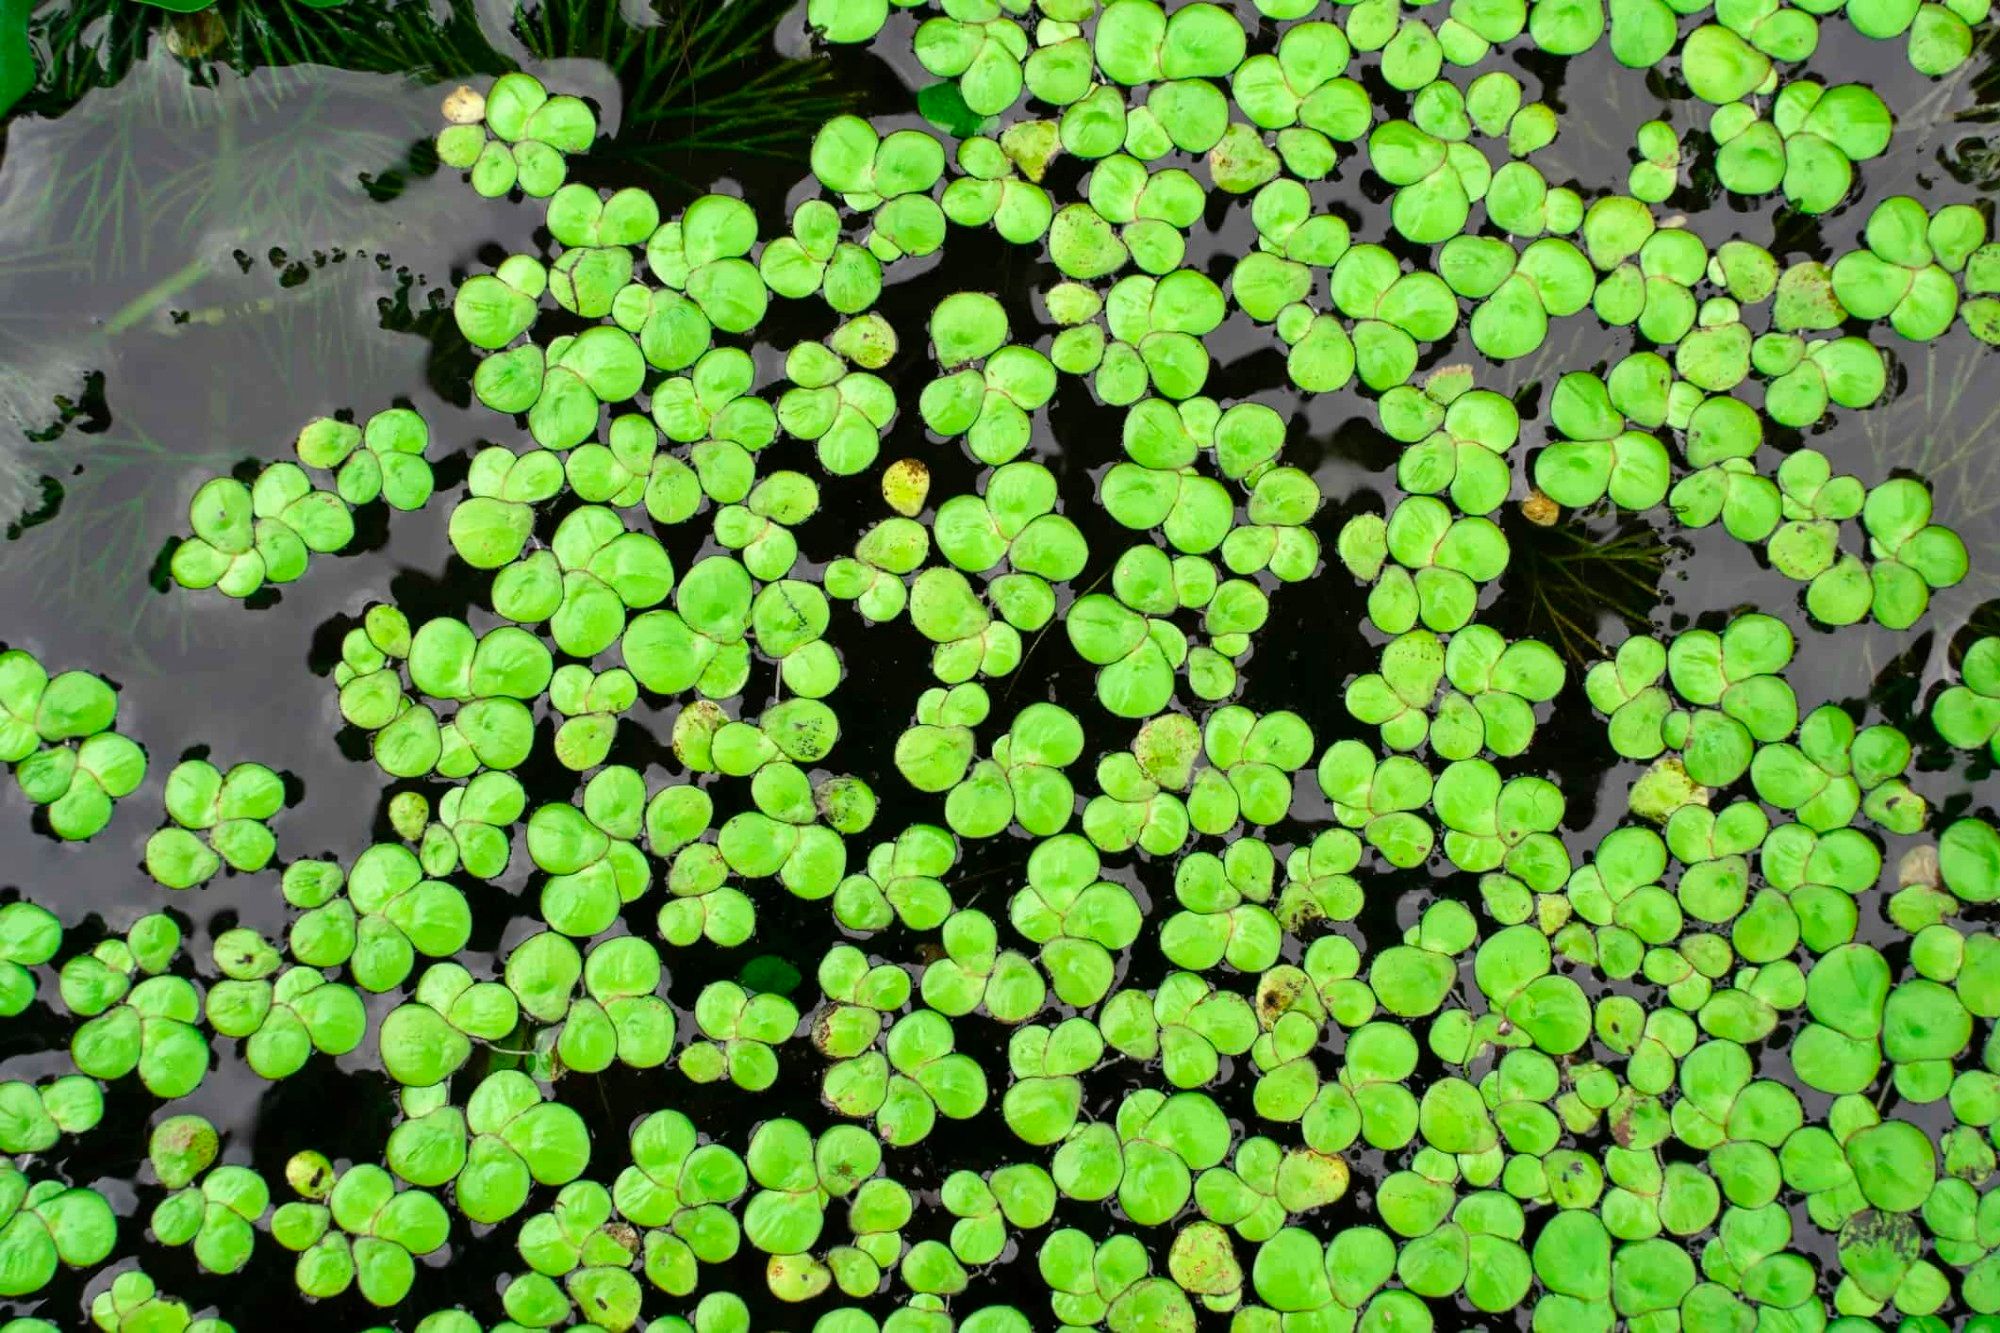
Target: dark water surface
196,258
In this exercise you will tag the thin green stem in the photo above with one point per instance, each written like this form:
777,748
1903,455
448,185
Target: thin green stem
145,303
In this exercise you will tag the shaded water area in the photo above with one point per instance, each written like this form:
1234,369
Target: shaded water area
199,253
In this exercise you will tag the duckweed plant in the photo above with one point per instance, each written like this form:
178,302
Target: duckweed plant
1667,1079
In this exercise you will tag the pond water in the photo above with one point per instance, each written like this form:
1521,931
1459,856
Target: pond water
215,227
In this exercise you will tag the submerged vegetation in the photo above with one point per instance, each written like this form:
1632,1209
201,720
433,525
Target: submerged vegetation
239,200
905,788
